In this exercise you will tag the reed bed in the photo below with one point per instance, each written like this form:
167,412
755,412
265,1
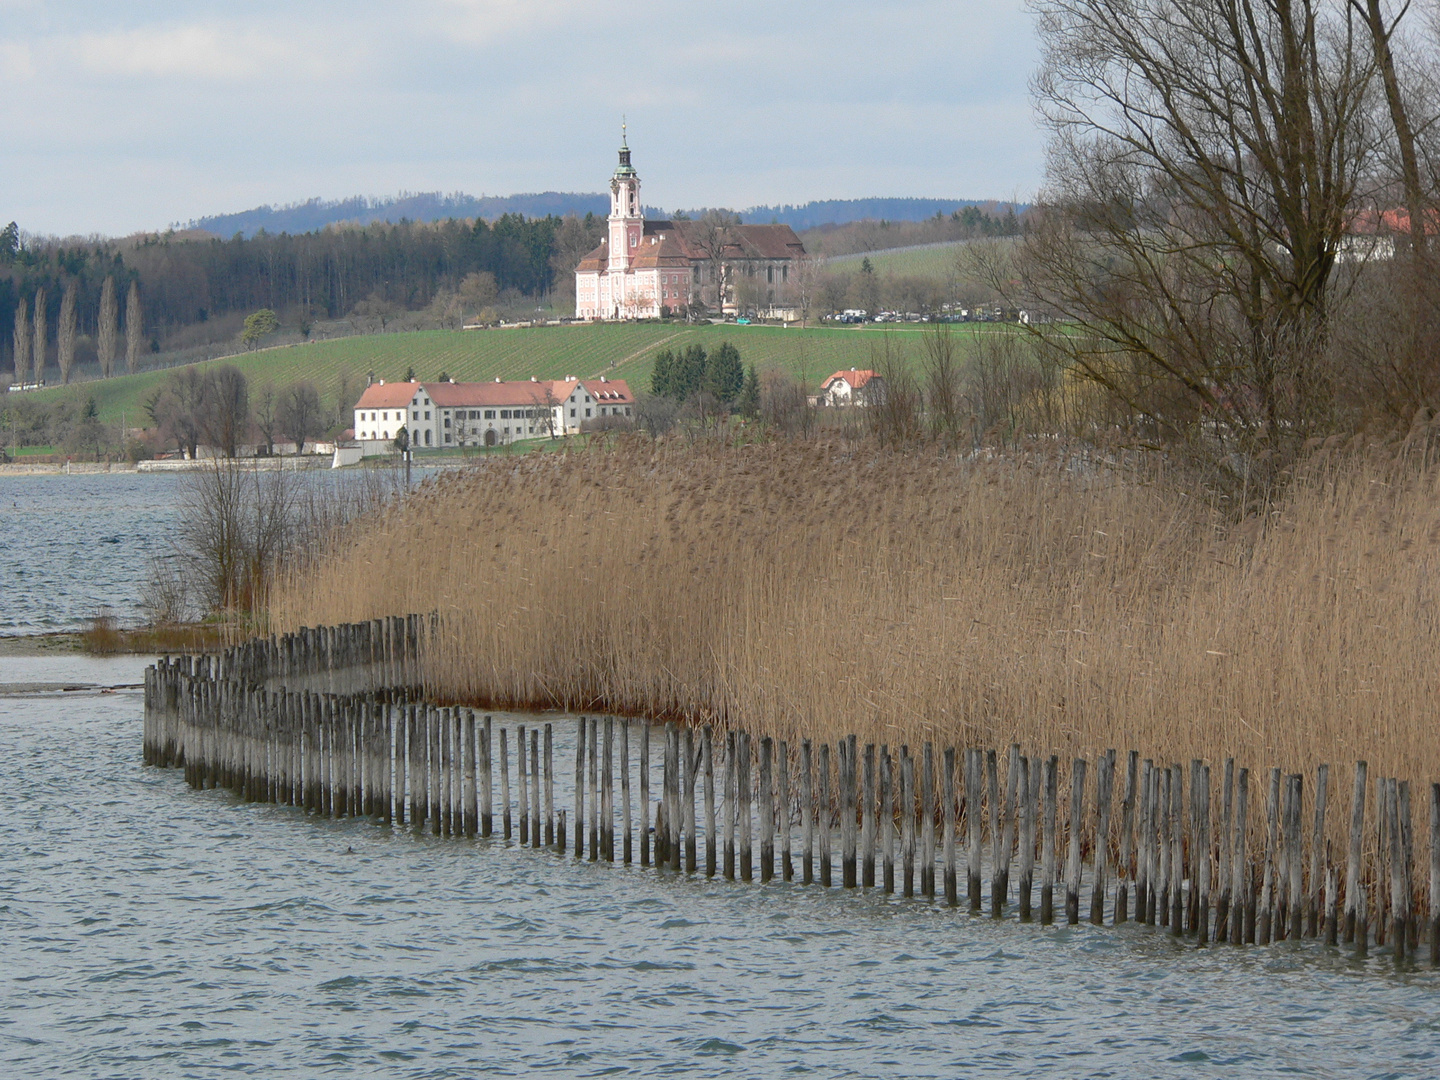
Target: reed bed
817,591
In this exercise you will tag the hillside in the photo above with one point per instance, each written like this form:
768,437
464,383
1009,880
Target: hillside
623,351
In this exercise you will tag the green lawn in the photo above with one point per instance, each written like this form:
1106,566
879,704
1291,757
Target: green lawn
938,262
621,351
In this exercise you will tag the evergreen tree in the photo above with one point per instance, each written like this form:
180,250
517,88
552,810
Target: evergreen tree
750,393
724,374
107,333
661,376
133,328
688,372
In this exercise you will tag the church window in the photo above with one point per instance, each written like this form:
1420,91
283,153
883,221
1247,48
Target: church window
770,274
784,273
489,414
505,415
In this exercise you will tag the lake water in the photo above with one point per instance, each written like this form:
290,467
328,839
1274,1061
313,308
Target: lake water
148,930
73,546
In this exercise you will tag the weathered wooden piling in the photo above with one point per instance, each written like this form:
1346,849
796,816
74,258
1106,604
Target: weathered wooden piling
607,792
867,821
787,866
992,801
1104,783
505,783
626,825
644,793
807,814
687,815
522,806
731,794
823,823
743,790
952,894
536,789
550,789
849,777
927,821
907,821
1077,824
1030,781
767,811
487,771
887,819
707,764
581,726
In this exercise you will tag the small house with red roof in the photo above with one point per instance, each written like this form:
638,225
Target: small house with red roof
447,415
853,387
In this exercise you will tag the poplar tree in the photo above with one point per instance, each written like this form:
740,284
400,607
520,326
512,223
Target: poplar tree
22,341
132,328
107,331
65,337
37,357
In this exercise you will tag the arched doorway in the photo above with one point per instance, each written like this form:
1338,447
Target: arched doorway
490,437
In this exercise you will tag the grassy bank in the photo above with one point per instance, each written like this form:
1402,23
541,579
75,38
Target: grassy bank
815,589
624,351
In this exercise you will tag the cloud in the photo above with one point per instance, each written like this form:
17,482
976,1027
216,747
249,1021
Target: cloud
202,52
16,62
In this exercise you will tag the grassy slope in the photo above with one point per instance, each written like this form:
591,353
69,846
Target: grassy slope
624,351
932,262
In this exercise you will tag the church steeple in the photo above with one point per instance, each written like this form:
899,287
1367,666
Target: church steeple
627,221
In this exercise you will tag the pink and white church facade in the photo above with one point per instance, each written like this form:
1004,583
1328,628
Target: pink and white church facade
642,267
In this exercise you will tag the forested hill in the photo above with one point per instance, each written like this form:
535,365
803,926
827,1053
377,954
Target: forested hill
315,214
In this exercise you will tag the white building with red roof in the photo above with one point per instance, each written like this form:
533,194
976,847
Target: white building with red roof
853,387
642,267
443,415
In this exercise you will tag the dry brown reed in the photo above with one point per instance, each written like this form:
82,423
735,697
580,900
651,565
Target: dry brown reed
1053,600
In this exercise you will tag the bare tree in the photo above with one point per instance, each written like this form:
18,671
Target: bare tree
178,409
224,408
37,353
134,329
807,285
22,342
1204,160
266,412
712,235
942,383
65,337
106,331
300,414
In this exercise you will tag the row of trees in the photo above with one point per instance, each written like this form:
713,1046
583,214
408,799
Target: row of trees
214,407
186,280
30,333
719,375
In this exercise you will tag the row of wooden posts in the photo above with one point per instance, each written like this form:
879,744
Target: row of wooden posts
1158,850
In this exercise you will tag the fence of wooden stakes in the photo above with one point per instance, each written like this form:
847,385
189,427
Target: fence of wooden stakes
332,720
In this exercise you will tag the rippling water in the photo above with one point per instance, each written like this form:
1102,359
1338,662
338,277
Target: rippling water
71,546
147,930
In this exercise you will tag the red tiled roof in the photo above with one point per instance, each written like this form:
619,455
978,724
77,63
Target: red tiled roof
856,379
1370,223
681,243
387,395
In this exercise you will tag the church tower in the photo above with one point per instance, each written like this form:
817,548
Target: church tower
627,223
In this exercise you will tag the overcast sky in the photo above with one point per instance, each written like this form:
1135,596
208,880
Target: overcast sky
118,117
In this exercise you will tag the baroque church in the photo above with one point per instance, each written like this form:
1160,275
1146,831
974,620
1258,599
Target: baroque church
646,269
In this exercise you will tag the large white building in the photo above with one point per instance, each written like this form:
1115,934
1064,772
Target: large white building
451,414
644,268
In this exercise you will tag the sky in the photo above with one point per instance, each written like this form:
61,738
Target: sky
123,117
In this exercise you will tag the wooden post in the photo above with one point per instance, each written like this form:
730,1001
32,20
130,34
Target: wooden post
867,827
1435,875
1177,853
807,814
822,814
1125,872
1047,845
1314,898
1192,842
972,827
850,775
1353,886
707,751
907,820
1104,786
927,821
487,817
550,788
523,792
1007,827
1077,825
433,768
687,815
767,810
469,816
787,864
1267,889
607,792
1240,906
505,782
592,783
1332,901
732,792
644,792
627,844
1145,830
1029,813
1202,859
1295,863
1227,824
581,727
992,798
1167,825
1407,856
1399,893
536,785
887,819
742,776
952,895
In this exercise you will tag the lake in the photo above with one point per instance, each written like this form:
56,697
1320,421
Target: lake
148,930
